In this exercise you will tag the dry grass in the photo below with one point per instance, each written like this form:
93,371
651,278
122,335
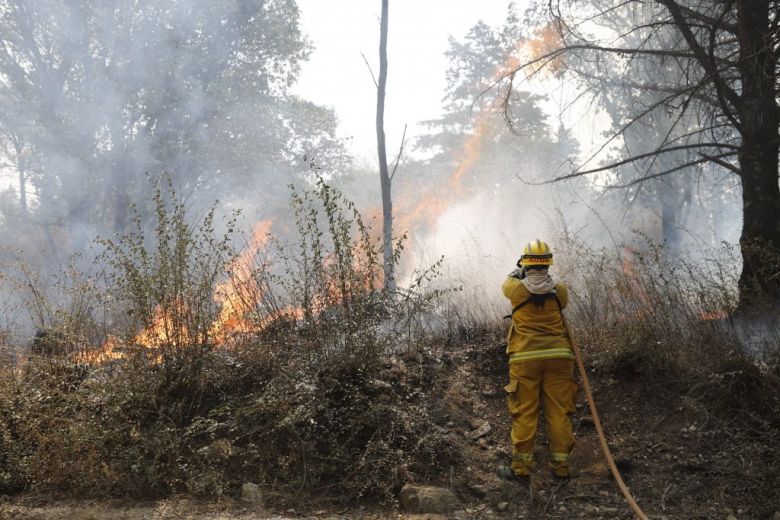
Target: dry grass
308,395
670,323
297,398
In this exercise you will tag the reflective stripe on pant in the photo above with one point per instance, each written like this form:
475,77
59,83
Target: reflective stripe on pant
550,379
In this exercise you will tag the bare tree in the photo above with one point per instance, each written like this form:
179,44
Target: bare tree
712,66
384,173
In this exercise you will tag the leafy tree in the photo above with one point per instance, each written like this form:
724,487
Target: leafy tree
714,67
470,146
100,93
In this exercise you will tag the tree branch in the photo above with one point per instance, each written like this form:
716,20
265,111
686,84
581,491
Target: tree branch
721,96
704,59
369,70
400,152
654,153
721,162
635,158
710,21
671,170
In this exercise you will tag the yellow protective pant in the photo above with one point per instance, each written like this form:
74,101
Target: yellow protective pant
552,380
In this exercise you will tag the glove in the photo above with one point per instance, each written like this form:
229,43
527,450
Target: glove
518,273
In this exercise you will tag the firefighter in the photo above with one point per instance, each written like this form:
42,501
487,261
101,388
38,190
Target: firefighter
541,363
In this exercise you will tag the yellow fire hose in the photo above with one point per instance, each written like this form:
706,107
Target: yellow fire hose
597,423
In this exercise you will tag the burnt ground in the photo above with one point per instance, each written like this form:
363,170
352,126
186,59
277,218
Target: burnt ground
681,456
685,452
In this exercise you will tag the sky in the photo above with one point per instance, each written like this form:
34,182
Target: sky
336,74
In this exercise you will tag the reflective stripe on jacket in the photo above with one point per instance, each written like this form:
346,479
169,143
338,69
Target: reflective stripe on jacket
536,332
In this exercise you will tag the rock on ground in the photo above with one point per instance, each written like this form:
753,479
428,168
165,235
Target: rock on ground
428,499
251,493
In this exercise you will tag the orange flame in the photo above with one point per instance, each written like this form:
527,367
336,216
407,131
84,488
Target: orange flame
108,351
167,328
546,42
431,206
428,209
239,295
237,298
713,316
634,286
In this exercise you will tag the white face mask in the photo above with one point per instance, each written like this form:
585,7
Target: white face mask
538,281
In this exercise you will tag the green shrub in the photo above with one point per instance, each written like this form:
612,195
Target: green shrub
293,398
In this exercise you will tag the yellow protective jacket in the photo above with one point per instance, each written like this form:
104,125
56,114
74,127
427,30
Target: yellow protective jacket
536,332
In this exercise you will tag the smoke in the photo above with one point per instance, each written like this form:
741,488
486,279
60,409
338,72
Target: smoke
104,97
100,95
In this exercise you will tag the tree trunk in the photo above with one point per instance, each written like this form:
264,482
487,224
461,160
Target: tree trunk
668,226
384,174
19,149
120,197
22,190
758,156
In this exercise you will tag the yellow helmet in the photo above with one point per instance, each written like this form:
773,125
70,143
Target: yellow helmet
536,253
